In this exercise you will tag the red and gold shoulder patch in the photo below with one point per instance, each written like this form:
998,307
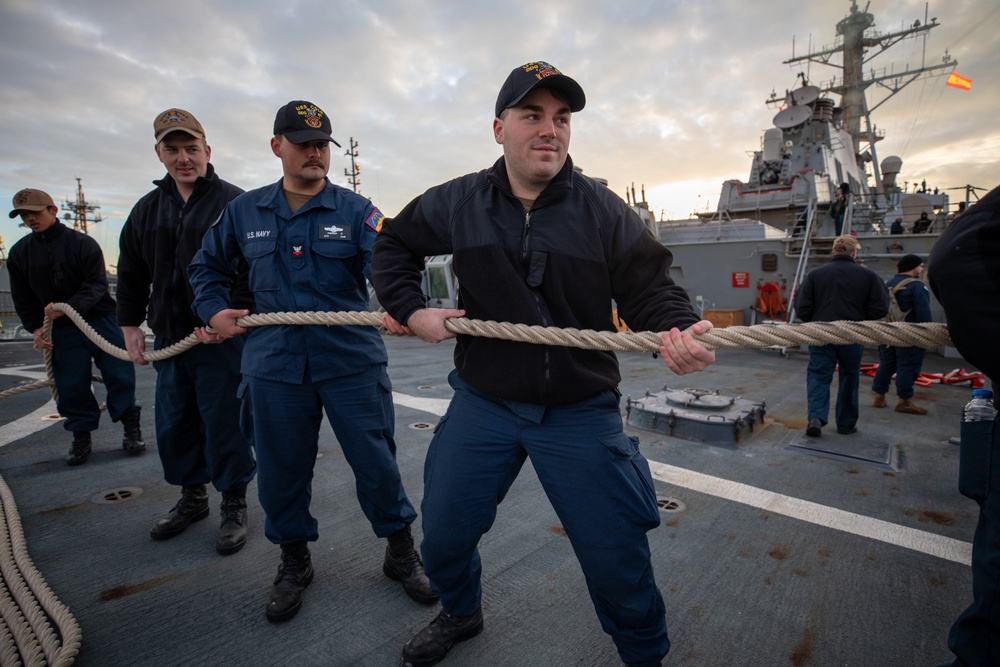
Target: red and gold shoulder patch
374,220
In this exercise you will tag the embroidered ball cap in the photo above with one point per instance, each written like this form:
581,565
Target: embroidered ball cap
527,77
300,121
908,263
177,120
31,200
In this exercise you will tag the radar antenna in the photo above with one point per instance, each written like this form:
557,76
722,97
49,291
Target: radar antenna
80,210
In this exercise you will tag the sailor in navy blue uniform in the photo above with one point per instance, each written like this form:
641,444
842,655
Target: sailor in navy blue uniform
308,243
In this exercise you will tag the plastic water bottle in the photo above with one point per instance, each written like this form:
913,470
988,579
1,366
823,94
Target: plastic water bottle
980,408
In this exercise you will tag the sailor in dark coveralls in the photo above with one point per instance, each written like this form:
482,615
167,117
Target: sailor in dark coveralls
535,242
58,264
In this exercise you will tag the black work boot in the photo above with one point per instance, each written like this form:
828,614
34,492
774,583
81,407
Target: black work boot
193,506
131,435
79,452
403,564
233,528
431,645
294,574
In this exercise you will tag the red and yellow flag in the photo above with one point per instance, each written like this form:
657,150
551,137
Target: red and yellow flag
955,80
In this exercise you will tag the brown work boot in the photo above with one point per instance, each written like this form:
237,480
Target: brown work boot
906,406
879,401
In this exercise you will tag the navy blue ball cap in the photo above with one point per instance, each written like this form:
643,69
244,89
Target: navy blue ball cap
526,78
300,122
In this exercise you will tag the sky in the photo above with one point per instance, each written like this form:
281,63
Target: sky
675,89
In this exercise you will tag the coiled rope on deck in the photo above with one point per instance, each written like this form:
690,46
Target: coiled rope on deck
28,607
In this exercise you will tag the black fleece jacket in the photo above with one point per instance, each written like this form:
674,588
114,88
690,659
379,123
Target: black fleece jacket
561,264
58,265
842,290
964,273
158,241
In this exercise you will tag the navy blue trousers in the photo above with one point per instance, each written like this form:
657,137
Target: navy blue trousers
905,362
594,476
72,353
975,636
286,422
198,414
823,360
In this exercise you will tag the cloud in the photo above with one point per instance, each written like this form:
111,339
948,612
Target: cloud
675,90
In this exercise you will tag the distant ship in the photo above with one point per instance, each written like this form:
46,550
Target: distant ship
743,262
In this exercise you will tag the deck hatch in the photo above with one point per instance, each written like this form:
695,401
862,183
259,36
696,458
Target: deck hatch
700,415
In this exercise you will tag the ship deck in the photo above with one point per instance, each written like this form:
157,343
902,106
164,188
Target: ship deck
778,555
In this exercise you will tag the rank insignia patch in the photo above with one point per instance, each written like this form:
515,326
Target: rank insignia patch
297,250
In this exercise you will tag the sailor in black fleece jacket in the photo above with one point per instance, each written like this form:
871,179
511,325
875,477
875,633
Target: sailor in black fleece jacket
56,264
535,242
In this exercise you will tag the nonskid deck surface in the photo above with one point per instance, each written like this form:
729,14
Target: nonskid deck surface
778,556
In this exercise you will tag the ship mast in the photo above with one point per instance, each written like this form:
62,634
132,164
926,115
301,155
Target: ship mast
354,174
79,210
853,44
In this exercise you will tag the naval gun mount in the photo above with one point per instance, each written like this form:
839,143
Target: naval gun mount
701,415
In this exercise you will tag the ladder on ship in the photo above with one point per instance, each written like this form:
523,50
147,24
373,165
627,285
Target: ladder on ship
807,244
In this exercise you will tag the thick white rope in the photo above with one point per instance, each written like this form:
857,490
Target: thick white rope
24,627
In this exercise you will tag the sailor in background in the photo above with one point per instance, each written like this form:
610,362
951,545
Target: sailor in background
197,409
840,290
838,209
534,242
57,264
964,273
914,299
922,225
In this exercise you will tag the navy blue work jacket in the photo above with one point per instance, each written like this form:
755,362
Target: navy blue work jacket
316,259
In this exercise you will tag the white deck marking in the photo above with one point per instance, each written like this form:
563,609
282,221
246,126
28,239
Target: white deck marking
796,508
821,515
30,423
25,372
435,406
